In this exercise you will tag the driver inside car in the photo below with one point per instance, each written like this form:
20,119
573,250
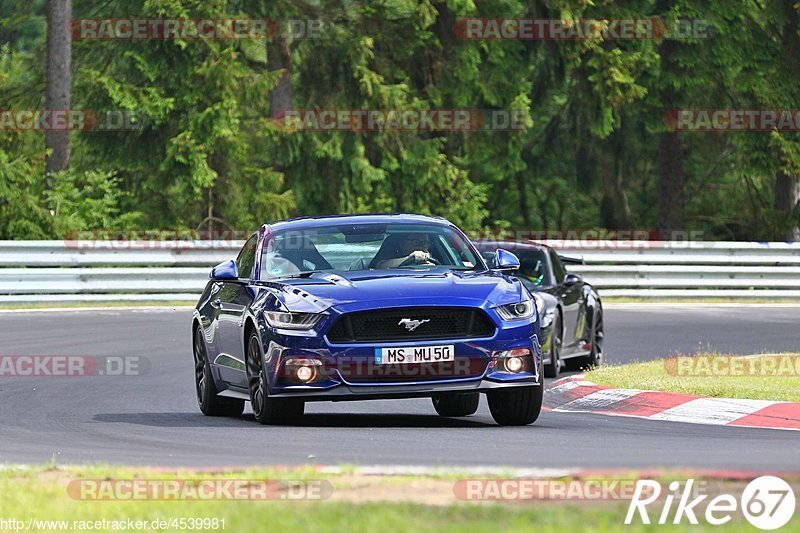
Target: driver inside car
532,270
413,248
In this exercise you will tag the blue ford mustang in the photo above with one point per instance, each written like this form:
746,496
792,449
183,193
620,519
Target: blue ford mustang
366,307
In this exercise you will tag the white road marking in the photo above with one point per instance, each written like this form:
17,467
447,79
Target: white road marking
569,385
599,399
718,411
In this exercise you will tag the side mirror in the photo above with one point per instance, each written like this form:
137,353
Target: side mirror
225,271
572,279
505,260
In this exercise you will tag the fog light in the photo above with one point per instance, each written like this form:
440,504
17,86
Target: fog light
514,364
302,369
305,373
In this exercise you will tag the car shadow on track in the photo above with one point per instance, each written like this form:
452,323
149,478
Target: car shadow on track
322,420
169,420
369,420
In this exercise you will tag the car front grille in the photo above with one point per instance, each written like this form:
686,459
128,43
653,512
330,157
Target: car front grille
400,324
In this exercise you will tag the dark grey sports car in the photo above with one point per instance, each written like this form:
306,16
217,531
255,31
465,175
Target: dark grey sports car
572,326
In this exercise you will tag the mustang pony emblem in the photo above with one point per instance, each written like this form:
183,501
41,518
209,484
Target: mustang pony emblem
411,325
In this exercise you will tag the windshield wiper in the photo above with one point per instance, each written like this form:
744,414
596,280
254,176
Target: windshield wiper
300,275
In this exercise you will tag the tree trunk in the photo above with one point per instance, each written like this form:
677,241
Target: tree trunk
787,187
787,196
59,82
279,58
671,174
671,179
524,210
615,210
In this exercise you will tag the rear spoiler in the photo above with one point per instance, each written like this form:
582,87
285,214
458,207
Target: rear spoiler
572,260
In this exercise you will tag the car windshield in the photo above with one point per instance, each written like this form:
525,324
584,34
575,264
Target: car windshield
348,248
533,270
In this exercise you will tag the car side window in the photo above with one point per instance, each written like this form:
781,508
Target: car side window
247,257
558,269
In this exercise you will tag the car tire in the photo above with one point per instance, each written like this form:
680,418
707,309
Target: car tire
278,411
553,368
595,357
456,404
207,394
518,406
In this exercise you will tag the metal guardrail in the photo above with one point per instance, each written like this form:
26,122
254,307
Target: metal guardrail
103,271
640,269
69,271
116,253
677,253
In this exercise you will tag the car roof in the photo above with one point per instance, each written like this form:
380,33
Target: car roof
312,222
484,245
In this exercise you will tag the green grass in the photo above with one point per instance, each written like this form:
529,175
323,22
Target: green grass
40,493
663,375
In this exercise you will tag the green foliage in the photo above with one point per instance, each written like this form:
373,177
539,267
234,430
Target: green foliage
21,215
587,156
88,201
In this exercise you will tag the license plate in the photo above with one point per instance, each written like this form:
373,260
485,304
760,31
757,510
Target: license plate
412,354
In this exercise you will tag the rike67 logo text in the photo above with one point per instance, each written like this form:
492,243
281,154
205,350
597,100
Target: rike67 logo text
767,502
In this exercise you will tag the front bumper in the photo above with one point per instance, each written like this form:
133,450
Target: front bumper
349,371
344,392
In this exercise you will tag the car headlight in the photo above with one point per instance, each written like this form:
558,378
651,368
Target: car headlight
523,309
519,310
284,320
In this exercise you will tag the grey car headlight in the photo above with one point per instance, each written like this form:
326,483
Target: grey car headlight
286,320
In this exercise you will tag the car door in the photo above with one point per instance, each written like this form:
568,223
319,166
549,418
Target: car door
571,295
232,301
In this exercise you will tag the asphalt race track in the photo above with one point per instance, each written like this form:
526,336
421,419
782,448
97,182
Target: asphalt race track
152,419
